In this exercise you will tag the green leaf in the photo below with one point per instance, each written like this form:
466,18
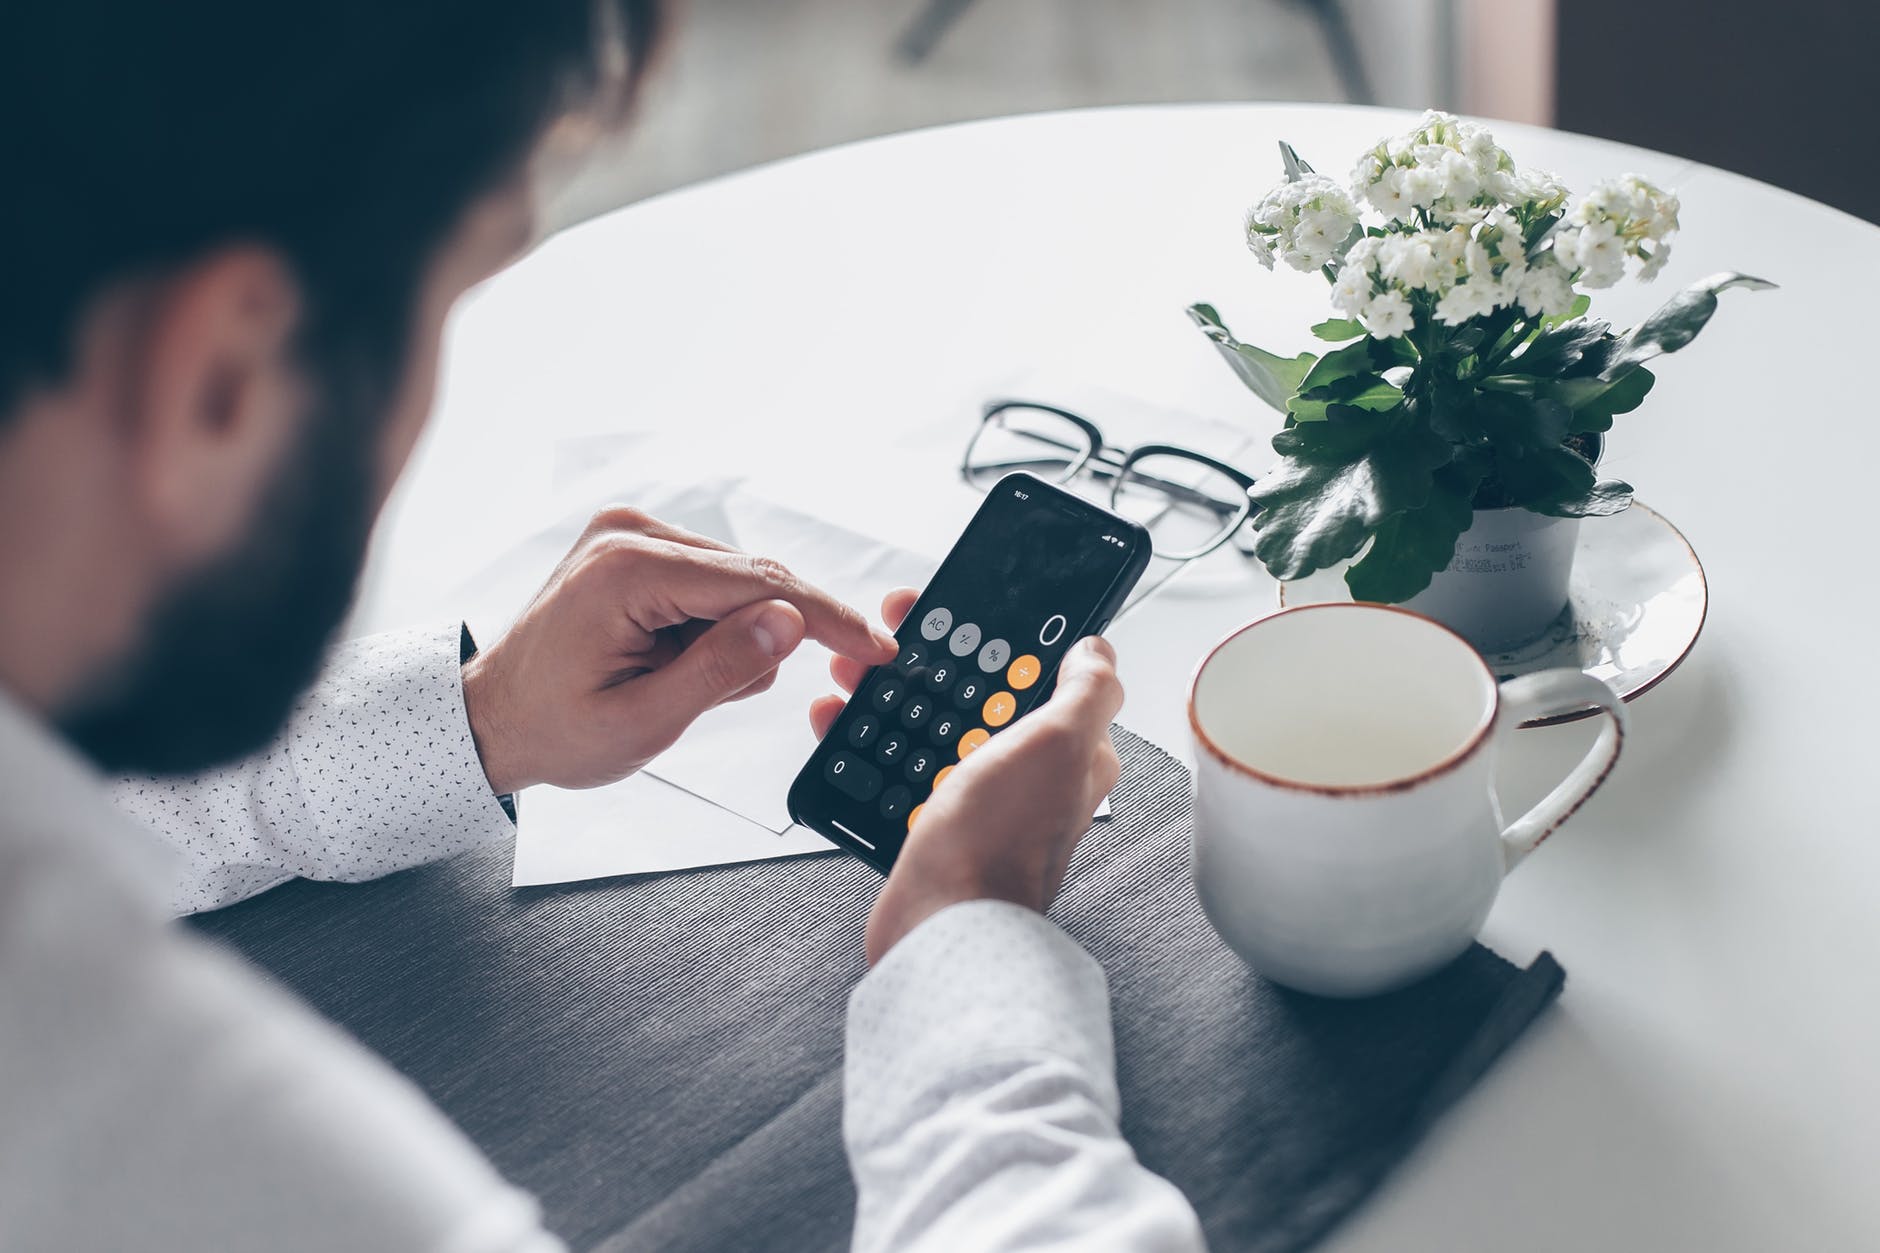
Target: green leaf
1555,350
1366,356
1602,500
1349,376
1412,546
1622,397
1339,363
1499,332
1454,413
1336,483
1676,323
1389,352
1360,391
1272,378
1560,483
1539,231
1331,268
1518,425
1338,330
1581,303
1296,167
1467,340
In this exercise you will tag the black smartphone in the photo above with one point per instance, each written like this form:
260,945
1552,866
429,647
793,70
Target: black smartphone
1036,570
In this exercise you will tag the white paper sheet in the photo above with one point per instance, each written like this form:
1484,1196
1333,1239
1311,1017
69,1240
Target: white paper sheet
637,826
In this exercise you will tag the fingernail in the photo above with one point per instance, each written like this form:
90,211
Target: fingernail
771,630
887,643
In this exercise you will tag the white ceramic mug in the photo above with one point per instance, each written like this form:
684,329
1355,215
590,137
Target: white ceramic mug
1348,839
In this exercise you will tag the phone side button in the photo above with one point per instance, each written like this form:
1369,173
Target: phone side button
852,776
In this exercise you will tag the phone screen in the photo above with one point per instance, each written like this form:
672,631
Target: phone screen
1036,570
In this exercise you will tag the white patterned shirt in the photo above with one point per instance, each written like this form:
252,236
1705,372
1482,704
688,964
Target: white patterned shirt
375,772
157,1093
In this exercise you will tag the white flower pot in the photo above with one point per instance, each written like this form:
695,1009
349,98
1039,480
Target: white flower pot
1508,580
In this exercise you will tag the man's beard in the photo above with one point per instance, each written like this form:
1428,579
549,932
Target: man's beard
227,652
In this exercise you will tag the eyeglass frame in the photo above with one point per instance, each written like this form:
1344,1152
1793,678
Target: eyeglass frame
1092,458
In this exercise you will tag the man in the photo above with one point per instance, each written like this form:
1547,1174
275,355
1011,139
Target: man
230,238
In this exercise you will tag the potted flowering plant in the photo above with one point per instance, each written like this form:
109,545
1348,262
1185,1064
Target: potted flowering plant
1468,396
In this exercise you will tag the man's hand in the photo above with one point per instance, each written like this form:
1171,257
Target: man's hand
640,629
1003,825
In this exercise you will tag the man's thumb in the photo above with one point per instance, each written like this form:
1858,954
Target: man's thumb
736,652
1087,685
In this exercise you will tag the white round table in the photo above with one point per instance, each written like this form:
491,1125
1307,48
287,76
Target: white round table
830,324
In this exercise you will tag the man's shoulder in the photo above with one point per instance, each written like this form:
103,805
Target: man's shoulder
161,1091
104,1001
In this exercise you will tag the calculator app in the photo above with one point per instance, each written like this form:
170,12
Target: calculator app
979,649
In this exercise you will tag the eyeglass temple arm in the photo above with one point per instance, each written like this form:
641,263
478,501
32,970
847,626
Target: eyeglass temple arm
1109,467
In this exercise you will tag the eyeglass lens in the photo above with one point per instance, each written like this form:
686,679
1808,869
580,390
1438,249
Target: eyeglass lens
1019,437
1187,505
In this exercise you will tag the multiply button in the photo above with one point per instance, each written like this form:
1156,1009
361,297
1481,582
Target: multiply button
1000,708
965,639
1024,672
937,623
853,776
994,655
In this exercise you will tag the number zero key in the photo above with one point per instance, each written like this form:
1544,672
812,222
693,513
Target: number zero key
852,776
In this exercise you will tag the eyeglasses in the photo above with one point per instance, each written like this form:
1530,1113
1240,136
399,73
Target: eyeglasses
1190,503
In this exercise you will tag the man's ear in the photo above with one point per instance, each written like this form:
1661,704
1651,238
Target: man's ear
213,401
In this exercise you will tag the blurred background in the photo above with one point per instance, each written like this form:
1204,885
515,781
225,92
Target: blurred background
1782,92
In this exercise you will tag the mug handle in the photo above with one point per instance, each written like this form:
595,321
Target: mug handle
1539,696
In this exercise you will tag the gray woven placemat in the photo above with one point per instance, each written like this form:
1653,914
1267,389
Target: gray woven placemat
659,1058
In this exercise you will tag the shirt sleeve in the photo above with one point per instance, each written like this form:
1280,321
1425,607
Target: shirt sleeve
980,1103
376,771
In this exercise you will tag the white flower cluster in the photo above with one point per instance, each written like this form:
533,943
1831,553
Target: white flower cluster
1470,271
1448,172
1458,214
1303,223
1620,218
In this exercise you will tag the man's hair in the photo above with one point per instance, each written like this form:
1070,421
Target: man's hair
348,135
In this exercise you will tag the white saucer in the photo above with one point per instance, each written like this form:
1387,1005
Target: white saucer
1636,606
